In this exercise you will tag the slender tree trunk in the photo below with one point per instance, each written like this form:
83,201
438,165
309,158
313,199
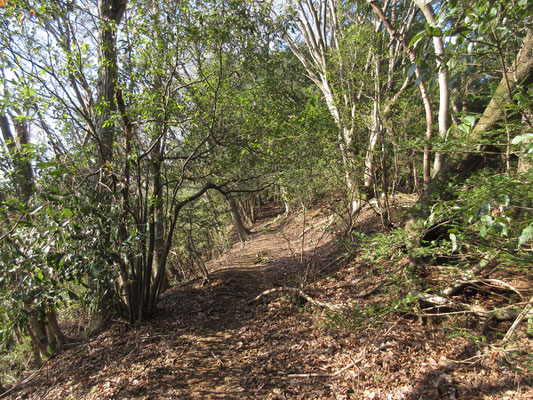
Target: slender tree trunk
428,109
37,343
24,180
37,333
524,160
158,215
51,318
110,13
318,25
242,232
375,132
444,92
461,165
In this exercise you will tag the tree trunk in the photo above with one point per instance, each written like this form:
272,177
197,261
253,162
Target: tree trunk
37,333
375,131
428,109
43,351
461,165
51,318
21,164
444,93
524,160
315,19
242,232
110,13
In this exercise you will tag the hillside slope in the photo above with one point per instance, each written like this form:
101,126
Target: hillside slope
212,342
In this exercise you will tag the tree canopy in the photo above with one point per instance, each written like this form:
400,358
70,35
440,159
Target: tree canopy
134,132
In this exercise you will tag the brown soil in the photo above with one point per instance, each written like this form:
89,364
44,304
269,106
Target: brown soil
210,342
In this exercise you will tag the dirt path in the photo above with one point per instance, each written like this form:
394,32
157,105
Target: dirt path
199,344
209,342
217,320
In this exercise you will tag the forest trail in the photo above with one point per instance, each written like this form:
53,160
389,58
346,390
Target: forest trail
210,342
203,342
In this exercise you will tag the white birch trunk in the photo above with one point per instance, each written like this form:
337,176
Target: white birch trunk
444,93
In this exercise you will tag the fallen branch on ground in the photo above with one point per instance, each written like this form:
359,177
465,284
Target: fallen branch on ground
326,375
525,312
489,282
467,277
502,314
300,293
331,263
382,281
340,371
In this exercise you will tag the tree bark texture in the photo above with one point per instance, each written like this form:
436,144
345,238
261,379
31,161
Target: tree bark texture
15,144
110,13
444,93
242,232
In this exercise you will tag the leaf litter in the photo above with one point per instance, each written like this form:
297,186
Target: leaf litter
212,343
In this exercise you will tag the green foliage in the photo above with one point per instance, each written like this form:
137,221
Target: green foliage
372,316
490,221
213,94
386,246
52,248
14,359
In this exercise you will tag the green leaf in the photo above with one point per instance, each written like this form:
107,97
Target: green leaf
526,234
420,78
470,120
44,165
453,238
487,220
521,138
67,213
416,39
461,30
464,128
411,70
433,31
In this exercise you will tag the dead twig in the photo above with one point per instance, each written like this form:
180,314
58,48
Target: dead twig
467,277
488,282
502,314
382,281
330,263
340,371
326,375
517,321
219,360
300,293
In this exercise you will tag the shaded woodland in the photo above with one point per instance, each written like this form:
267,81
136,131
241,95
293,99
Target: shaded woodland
343,174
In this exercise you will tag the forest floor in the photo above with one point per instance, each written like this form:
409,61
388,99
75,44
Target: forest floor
212,342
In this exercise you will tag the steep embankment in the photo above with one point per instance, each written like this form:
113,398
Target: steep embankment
211,342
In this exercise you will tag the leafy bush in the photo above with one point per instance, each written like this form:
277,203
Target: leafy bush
491,220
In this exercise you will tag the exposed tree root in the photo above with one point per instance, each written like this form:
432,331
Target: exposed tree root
489,282
525,313
502,314
300,293
464,279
